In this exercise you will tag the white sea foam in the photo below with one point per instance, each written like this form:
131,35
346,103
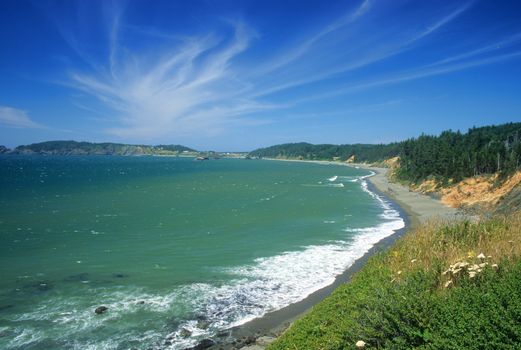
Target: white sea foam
268,284
272,283
333,178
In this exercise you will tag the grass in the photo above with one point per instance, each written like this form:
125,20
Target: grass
402,299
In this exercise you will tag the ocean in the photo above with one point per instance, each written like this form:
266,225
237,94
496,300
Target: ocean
176,249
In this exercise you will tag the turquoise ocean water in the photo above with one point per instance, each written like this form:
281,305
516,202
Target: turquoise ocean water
177,249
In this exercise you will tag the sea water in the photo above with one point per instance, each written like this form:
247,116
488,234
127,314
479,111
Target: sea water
177,249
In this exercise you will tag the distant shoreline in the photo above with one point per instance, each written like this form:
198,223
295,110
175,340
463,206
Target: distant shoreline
413,207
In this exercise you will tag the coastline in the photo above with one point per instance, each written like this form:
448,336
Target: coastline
413,207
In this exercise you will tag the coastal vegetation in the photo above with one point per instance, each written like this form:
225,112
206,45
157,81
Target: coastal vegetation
363,152
89,148
442,286
448,157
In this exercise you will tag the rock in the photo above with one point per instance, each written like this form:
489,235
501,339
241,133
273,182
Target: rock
222,334
141,302
253,347
360,344
249,340
203,324
185,333
265,341
203,344
100,309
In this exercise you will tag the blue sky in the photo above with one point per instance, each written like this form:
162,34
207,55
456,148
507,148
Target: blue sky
237,75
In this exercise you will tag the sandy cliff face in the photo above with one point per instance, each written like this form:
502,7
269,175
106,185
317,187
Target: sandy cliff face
481,190
486,191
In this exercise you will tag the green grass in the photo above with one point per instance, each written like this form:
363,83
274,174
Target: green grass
399,299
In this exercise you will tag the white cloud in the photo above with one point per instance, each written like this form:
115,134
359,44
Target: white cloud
179,85
16,118
184,89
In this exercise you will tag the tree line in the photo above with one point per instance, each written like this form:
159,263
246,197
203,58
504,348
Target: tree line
452,155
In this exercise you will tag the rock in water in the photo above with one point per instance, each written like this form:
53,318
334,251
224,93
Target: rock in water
203,324
101,309
203,344
185,333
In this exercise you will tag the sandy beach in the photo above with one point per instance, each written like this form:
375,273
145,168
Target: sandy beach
419,207
414,208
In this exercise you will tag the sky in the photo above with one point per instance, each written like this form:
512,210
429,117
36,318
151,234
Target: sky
238,75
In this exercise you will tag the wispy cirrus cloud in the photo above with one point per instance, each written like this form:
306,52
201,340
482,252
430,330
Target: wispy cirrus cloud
185,89
445,66
388,43
17,118
204,83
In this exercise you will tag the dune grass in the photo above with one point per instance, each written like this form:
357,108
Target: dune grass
441,286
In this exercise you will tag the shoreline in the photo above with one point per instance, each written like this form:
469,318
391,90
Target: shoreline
413,207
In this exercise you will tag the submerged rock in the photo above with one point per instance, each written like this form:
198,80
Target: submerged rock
80,277
6,307
38,287
101,309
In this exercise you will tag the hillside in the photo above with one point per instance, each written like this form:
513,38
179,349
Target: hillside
447,158
361,152
88,148
442,286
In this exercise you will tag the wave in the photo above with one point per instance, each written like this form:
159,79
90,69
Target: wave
272,283
332,179
268,284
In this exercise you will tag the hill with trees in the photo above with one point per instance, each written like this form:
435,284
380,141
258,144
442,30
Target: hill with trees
450,156
89,148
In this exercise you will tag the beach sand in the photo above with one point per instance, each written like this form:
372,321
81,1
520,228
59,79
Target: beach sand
419,207
414,208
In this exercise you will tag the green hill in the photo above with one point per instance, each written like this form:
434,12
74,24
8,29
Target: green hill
89,148
451,155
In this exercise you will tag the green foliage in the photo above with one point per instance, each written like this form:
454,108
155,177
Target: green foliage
451,155
411,309
362,152
84,148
